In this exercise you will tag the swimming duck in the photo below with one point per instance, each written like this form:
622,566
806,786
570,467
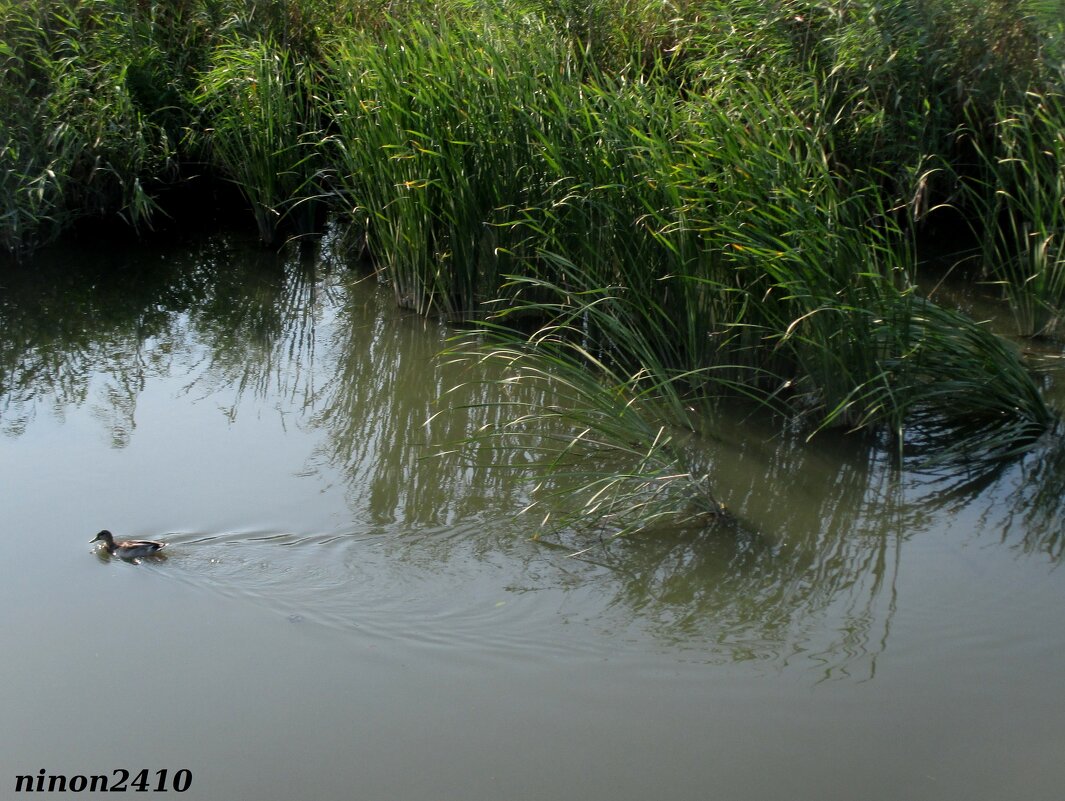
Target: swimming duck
127,549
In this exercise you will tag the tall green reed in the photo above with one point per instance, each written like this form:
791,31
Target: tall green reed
1022,211
721,254
435,139
75,138
607,450
262,128
684,202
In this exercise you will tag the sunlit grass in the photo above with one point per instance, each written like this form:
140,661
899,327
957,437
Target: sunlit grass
1022,204
262,128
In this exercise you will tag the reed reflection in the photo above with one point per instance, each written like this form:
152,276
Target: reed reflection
258,318
389,406
807,563
88,329
1034,510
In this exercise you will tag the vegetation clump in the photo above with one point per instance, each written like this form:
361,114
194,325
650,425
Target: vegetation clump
658,204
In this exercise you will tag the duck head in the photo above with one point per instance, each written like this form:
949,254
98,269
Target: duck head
104,536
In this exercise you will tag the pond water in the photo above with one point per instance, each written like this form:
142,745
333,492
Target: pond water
341,617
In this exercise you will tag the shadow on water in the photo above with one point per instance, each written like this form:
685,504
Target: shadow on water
807,567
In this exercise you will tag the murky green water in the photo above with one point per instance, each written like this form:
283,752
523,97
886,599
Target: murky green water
342,618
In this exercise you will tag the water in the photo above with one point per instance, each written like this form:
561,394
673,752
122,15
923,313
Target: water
342,616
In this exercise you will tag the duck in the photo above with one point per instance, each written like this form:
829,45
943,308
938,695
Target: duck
127,549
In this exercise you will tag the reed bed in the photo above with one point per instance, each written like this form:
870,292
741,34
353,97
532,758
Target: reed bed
263,132
75,139
660,205
1021,207
435,144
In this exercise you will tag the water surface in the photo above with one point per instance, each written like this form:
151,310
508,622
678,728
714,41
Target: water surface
342,616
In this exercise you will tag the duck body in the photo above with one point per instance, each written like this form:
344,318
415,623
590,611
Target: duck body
127,549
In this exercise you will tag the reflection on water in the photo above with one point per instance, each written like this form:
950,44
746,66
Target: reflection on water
808,568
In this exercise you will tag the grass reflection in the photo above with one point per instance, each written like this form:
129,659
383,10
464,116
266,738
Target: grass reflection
805,566
93,331
1035,507
386,407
